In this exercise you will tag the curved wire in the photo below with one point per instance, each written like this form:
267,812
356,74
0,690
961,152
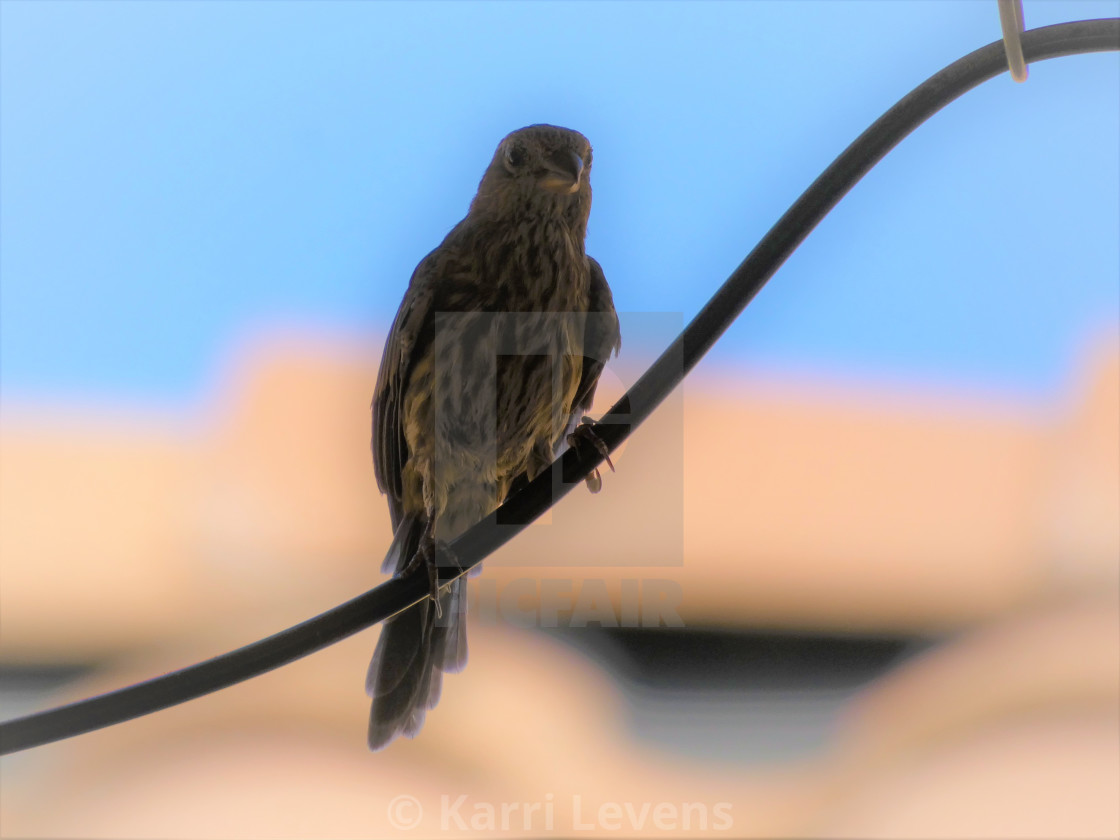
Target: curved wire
635,406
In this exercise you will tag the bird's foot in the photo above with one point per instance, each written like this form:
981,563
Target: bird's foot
430,549
584,433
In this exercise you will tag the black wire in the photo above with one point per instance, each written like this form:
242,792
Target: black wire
638,403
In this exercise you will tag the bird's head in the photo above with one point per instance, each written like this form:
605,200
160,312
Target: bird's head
541,167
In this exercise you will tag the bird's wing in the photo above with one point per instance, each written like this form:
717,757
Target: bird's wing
601,338
407,339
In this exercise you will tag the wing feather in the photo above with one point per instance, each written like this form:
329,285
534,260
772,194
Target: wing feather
601,338
407,340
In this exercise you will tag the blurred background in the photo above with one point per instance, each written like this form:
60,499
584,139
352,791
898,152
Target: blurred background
886,508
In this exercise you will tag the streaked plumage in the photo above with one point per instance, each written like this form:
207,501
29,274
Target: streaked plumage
479,398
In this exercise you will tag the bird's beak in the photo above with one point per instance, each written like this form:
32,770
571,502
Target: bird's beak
562,172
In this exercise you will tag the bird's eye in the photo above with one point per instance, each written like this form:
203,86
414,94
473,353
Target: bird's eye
515,157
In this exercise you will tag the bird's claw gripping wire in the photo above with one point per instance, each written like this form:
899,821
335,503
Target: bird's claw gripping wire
430,549
584,433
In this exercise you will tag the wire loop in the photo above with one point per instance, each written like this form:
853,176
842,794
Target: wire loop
1011,21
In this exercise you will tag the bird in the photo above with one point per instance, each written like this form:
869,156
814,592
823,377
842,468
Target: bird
488,373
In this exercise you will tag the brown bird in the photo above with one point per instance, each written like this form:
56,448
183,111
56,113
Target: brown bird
487,373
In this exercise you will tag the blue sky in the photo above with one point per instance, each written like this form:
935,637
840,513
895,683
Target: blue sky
175,174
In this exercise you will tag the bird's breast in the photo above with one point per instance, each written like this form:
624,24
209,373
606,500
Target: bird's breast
534,266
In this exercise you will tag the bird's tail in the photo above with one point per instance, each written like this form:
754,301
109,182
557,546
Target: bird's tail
414,649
